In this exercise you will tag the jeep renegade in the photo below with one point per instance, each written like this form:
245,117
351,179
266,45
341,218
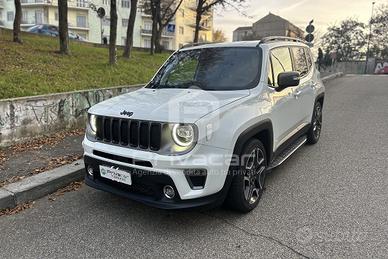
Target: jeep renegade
208,127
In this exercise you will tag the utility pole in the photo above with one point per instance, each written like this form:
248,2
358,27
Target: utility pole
369,38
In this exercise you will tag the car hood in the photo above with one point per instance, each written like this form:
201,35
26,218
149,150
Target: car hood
167,105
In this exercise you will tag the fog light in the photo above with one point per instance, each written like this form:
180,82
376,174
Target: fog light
169,191
90,170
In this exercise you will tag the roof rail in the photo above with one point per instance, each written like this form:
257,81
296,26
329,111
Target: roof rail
281,38
194,44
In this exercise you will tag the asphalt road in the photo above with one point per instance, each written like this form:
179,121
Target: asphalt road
327,200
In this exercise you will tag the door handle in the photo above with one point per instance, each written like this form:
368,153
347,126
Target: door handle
297,93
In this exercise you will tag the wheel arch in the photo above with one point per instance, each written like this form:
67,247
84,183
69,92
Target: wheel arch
262,131
320,98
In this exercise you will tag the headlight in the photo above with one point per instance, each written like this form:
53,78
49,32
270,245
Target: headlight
93,122
183,134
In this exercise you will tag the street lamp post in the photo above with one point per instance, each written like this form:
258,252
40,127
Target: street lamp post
369,38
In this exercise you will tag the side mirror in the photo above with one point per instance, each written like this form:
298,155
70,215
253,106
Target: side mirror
288,79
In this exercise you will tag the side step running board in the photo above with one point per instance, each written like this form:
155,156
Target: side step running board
287,152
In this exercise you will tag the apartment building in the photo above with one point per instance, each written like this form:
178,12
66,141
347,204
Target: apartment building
270,25
84,21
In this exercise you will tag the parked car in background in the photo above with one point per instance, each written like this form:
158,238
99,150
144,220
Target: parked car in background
52,30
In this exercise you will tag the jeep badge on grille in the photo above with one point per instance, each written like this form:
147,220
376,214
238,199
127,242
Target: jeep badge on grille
129,114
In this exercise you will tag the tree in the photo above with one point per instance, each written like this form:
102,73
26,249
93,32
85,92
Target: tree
205,6
347,40
131,24
113,32
63,28
219,36
17,21
162,12
379,36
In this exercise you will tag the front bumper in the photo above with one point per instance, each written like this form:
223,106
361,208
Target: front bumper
146,188
162,170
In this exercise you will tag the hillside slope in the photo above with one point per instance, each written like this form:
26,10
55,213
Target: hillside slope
34,67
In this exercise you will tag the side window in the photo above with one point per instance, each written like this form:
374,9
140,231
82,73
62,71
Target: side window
281,62
309,58
300,61
270,75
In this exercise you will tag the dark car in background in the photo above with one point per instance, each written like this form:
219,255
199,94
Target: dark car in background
52,30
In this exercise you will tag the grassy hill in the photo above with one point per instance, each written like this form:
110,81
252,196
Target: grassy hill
34,68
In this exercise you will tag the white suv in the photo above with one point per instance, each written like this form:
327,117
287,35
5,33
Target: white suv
208,127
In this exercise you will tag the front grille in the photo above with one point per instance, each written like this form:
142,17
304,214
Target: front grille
132,133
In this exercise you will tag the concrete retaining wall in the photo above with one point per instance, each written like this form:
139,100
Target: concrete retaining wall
27,117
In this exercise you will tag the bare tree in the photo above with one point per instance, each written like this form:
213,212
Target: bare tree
205,6
17,21
63,27
162,12
113,33
131,25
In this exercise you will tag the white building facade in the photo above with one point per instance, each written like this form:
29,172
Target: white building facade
85,22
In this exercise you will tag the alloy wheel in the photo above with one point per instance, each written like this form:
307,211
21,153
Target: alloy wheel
317,124
254,176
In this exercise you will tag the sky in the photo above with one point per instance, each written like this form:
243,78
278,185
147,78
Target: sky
300,12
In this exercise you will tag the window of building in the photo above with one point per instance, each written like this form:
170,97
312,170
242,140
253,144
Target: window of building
81,3
148,26
281,62
125,3
81,21
166,44
125,22
56,16
10,16
105,2
182,12
38,17
24,16
181,30
147,43
300,61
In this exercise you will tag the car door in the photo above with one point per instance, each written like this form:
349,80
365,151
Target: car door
285,110
304,92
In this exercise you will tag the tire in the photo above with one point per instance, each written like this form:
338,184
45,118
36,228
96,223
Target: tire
248,181
314,133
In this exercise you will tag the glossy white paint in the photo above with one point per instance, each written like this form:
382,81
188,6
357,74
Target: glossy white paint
229,114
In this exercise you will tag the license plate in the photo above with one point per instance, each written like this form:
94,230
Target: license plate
115,174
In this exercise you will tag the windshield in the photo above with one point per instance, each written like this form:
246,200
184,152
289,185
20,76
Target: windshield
213,69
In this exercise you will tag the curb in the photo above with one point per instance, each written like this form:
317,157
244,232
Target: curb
37,186
333,76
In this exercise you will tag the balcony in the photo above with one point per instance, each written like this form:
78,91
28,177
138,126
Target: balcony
165,34
75,4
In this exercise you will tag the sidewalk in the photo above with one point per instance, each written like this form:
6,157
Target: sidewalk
39,155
